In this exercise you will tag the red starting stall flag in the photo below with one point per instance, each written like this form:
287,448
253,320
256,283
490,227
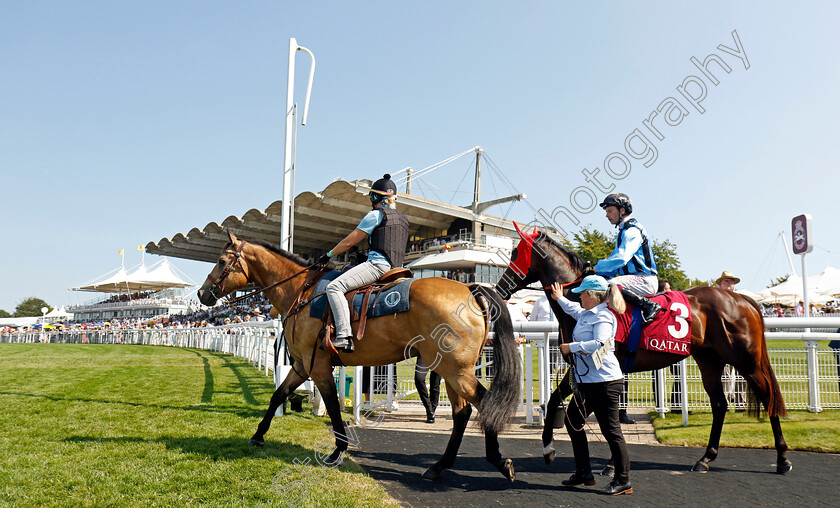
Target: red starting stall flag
801,234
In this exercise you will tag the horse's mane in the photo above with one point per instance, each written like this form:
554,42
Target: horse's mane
286,254
575,260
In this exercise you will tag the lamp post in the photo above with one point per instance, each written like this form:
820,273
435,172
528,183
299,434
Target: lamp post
44,311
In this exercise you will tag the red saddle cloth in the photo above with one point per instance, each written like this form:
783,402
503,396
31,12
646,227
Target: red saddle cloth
670,331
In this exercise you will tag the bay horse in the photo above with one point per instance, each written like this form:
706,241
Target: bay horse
447,325
726,328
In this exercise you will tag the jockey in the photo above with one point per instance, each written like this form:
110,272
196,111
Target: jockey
388,230
631,264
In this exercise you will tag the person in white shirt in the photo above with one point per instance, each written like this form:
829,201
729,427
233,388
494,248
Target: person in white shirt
598,377
542,312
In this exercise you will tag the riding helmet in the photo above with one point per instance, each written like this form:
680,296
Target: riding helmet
382,188
618,200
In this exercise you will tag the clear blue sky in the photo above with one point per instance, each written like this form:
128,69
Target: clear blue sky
126,122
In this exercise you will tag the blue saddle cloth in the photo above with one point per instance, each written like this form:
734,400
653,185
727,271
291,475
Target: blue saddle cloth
393,300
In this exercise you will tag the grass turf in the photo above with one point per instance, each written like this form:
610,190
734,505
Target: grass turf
803,430
120,425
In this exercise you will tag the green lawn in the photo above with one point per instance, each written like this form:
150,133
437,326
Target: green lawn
119,425
803,430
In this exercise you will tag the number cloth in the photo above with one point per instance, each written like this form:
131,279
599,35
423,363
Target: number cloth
670,331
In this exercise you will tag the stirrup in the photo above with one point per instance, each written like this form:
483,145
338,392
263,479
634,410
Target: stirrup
344,343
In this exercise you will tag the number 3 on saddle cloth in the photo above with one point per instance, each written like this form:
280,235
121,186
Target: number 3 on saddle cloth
670,331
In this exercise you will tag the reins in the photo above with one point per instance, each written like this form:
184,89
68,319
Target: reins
220,283
258,291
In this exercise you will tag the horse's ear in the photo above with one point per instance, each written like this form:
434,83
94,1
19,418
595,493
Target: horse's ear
519,230
535,233
233,238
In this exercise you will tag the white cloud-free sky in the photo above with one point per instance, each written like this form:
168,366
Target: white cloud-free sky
123,123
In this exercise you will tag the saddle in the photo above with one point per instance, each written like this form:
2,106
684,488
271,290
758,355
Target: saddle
386,281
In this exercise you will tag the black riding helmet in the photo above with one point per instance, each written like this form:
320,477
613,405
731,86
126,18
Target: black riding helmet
618,200
381,189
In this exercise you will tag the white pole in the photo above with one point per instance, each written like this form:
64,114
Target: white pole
810,348
288,204
684,390
659,380
285,240
790,259
529,384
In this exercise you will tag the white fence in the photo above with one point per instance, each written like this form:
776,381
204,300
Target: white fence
809,376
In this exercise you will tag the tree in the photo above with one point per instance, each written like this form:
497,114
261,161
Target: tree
31,307
3,313
593,245
668,264
693,283
778,280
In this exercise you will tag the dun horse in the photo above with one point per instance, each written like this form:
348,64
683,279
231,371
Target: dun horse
726,328
447,326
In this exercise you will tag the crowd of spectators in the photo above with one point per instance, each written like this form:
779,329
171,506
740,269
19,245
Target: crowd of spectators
831,308
256,309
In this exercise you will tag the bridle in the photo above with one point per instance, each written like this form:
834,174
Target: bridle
217,288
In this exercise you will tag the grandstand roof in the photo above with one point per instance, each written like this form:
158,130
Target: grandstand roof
321,220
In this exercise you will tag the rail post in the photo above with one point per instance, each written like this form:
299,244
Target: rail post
813,377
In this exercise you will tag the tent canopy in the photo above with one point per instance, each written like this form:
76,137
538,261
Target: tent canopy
161,276
821,289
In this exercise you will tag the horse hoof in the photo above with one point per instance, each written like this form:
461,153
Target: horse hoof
700,467
432,474
784,467
507,469
335,459
256,442
548,453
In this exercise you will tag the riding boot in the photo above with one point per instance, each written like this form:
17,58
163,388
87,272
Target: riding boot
649,308
345,343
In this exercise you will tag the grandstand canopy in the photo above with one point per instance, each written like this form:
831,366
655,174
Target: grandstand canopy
321,219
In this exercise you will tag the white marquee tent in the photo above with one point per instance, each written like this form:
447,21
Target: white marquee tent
821,289
155,278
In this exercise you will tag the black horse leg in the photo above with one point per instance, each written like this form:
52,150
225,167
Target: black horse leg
491,445
330,396
563,390
461,411
288,385
717,399
763,387
783,465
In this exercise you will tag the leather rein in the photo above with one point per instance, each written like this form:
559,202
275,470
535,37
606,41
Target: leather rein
218,286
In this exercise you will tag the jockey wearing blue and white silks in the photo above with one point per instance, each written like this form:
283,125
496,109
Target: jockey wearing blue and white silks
631,264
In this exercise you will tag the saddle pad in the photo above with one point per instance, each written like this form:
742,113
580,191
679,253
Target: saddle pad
393,300
670,331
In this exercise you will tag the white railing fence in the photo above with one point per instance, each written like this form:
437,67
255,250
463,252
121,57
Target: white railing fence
809,376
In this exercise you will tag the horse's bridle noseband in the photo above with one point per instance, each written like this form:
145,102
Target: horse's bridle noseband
217,288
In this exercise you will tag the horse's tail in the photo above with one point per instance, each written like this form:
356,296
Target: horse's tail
764,373
498,404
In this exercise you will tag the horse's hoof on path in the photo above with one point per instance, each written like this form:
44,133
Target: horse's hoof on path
700,467
784,467
507,469
549,457
257,442
432,474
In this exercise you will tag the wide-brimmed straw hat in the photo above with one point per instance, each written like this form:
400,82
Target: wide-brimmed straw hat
727,275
